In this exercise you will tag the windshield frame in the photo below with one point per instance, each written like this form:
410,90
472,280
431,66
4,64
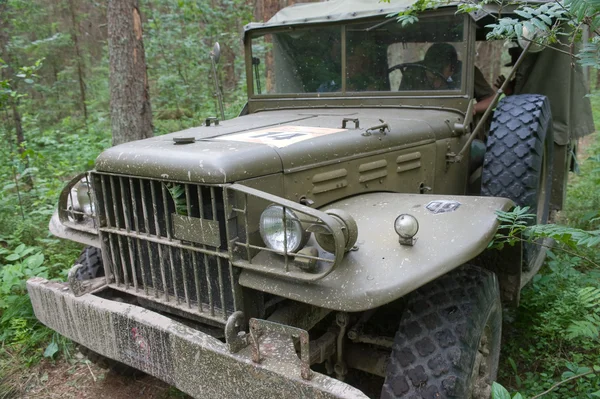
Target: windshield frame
466,73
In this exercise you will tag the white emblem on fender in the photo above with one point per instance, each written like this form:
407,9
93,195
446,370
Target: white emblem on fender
442,206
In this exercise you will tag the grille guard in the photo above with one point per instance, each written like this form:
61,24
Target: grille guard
191,262
241,251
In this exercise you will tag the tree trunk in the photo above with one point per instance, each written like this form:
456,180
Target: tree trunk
9,73
131,115
75,37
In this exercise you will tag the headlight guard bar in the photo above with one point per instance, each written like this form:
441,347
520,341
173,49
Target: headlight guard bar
275,262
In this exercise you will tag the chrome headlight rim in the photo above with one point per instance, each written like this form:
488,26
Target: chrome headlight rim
69,210
84,192
298,239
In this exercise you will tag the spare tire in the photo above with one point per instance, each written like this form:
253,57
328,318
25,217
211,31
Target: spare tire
518,159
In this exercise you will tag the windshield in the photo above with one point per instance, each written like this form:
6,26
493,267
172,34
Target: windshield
380,57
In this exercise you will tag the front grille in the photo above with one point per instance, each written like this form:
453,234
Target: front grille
147,256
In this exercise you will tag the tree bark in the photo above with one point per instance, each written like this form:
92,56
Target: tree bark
9,73
75,37
130,111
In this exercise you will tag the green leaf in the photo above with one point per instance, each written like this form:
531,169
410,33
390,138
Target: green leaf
51,350
519,30
499,392
547,20
523,13
34,261
13,257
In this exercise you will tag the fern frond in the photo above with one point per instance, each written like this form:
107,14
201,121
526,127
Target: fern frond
590,297
589,328
177,193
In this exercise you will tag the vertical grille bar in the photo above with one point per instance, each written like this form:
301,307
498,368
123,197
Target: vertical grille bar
168,225
219,268
246,227
227,206
113,193
197,281
185,290
148,246
211,304
194,256
136,224
114,265
126,215
163,272
181,252
166,211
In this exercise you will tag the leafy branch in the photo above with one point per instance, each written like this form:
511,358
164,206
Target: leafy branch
566,18
516,226
595,370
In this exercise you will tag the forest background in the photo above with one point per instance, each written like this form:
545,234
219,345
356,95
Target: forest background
55,120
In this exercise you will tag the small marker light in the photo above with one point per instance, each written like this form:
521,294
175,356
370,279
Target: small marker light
406,227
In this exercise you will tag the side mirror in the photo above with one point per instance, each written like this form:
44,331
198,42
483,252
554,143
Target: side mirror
215,54
538,36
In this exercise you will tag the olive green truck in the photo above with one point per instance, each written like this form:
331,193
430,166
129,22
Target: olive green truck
332,240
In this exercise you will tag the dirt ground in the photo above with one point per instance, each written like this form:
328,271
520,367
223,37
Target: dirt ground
79,379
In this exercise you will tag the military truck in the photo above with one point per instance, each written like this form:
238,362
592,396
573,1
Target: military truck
331,241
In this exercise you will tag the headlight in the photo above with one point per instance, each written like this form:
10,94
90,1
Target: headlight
272,229
84,196
80,199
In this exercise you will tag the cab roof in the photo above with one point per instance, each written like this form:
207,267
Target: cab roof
347,10
330,11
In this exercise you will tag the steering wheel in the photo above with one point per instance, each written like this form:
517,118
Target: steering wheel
407,65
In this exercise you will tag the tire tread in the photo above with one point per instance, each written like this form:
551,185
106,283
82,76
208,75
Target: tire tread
430,355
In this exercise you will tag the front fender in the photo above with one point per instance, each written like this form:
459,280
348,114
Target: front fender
382,270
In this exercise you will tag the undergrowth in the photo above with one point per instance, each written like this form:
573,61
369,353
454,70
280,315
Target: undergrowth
551,343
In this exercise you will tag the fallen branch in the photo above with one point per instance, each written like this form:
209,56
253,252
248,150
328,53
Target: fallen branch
87,363
553,387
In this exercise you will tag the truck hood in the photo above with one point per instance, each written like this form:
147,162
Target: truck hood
272,142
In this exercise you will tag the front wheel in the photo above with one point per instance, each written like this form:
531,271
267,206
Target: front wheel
448,341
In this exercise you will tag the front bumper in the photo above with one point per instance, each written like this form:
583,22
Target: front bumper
194,362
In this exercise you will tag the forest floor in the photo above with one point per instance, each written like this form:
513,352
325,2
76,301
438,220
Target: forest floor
80,379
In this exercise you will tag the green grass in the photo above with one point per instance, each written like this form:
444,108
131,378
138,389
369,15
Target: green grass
542,339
